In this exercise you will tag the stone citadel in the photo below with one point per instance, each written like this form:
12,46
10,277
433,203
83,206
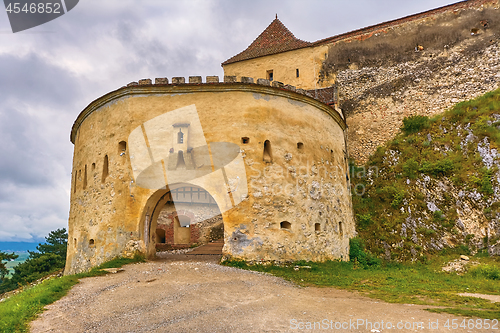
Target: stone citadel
261,158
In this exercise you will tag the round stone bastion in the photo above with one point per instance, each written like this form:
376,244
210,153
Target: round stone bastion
268,158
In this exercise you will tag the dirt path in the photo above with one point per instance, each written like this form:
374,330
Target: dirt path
194,294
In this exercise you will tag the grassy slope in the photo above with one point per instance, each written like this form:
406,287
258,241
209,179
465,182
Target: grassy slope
427,164
415,283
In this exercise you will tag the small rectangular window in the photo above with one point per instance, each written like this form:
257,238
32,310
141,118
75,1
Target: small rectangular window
270,75
297,72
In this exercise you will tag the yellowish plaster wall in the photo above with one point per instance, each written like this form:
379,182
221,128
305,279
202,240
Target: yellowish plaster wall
308,60
302,186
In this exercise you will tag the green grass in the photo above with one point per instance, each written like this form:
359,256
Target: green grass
17,311
415,283
434,149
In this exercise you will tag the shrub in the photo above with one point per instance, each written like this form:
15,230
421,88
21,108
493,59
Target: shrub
488,271
364,220
410,168
396,195
439,168
398,199
486,185
414,124
358,253
33,269
438,215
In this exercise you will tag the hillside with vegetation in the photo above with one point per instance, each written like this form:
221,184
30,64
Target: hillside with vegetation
48,258
435,187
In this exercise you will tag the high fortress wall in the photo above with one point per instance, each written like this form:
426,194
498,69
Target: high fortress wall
421,64
267,157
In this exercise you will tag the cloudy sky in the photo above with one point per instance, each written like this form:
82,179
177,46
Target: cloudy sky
49,73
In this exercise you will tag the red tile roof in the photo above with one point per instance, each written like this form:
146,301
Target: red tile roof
275,39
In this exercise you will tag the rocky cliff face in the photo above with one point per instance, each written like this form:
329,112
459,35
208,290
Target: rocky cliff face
436,185
422,67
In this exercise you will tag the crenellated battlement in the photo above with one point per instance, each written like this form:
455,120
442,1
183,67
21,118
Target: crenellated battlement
328,95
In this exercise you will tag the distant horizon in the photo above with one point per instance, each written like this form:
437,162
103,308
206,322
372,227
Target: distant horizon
20,246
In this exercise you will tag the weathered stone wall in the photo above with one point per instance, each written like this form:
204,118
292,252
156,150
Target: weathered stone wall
293,149
419,66
430,87
284,65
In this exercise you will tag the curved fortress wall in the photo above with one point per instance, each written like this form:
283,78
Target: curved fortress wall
283,192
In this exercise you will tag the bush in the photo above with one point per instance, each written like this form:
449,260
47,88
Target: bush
439,168
414,124
395,195
358,253
410,168
486,185
364,220
488,271
36,268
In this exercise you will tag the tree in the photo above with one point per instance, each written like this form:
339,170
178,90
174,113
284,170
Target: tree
49,257
5,257
36,268
56,243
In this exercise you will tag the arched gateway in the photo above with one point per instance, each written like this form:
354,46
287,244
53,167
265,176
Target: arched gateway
272,160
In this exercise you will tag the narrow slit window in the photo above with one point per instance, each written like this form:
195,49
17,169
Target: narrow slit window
180,137
297,74
91,243
285,225
268,156
300,145
105,169
85,178
76,178
341,232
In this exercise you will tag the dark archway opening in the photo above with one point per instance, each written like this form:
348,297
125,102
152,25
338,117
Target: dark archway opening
187,216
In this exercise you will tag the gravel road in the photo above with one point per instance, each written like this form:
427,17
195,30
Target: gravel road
194,294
